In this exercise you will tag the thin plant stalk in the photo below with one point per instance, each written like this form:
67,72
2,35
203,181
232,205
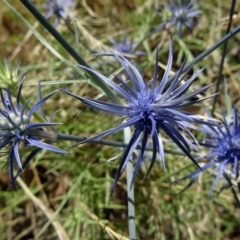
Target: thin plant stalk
232,190
130,191
208,51
224,51
73,138
158,29
68,48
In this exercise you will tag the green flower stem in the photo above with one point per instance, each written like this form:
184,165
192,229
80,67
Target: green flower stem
158,29
73,138
232,190
208,51
68,48
224,51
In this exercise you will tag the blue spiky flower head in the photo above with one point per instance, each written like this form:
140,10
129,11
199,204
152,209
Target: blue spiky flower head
223,146
126,46
17,130
182,13
150,108
58,8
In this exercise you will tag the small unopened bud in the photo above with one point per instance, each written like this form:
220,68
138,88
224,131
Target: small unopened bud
9,76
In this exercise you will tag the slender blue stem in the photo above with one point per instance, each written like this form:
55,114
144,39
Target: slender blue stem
130,191
131,202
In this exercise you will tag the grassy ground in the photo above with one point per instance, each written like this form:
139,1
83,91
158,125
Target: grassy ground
68,196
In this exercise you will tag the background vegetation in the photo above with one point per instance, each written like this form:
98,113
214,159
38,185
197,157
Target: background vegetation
69,196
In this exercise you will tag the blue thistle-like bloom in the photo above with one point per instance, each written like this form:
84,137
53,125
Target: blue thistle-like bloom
150,108
184,13
58,8
224,148
16,130
126,46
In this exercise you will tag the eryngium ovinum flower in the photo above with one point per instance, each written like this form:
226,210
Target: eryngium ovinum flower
17,132
223,145
58,8
149,109
125,46
183,13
